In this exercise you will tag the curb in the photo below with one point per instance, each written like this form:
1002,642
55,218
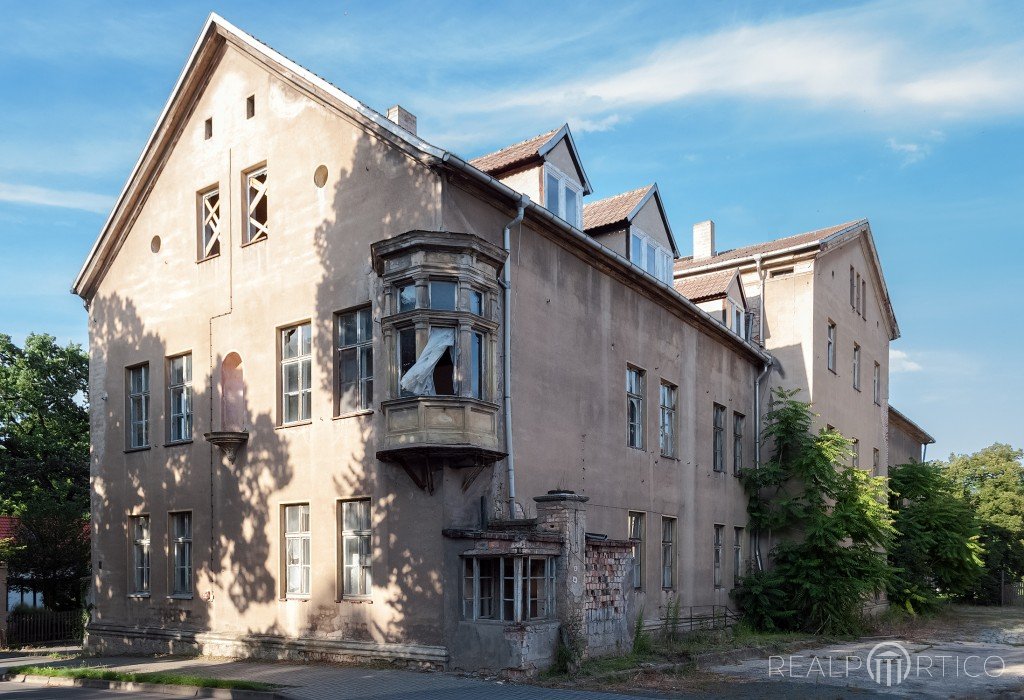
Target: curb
182,691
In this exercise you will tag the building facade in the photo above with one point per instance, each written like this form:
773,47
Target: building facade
354,396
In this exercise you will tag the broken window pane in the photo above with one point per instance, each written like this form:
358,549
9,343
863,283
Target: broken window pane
407,298
433,373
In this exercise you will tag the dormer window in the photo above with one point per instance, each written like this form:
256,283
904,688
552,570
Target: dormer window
562,196
650,256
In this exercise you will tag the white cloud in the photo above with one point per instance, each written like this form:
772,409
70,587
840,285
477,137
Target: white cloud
910,152
66,199
899,361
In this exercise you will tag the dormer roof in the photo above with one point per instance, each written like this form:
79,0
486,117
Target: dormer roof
531,152
709,286
620,209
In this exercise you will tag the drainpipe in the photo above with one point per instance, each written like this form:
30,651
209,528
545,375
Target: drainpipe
760,311
506,285
757,448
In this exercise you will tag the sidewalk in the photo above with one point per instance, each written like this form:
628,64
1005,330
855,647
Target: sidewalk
325,681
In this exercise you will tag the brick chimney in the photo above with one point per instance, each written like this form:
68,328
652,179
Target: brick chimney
704,240
405,119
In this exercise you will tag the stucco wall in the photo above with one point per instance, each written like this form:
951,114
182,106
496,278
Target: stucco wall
904,447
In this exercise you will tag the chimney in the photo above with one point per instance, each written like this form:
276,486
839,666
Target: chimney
405,119
704,240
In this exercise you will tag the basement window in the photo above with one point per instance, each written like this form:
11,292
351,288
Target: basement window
256,205
509,588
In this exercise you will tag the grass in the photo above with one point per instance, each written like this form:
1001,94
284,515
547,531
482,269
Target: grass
105,674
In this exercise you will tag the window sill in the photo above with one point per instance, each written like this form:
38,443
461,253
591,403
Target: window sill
137,449
200,261
296,424
635,447
355,599
175,443
180,596
672,457
138,596
262,239
354,414
857,389
295,599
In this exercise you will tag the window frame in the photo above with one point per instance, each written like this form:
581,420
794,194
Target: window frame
856,366
357,535
517,569
668,553
208,216
718,438
185,387
876,461
830,348
635,429
180,545
262,231
636,528
719,544
300,359
737,555
876,384
144,397
663,258
363,350
142,547
738,427
304,567
668,430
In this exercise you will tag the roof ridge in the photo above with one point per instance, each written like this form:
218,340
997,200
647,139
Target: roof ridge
644,188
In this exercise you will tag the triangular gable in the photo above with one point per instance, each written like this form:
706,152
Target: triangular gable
215,35
566,134
655,194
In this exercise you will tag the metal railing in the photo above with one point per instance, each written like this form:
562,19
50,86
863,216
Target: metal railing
27,627
693,618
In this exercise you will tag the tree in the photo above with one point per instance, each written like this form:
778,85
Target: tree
44,461
936,545
992,481
832,521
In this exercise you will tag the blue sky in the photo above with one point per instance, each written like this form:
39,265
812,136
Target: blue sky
770,119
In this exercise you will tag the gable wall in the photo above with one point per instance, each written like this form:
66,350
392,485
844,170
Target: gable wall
649,220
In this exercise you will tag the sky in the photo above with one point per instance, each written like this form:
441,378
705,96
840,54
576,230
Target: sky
770,118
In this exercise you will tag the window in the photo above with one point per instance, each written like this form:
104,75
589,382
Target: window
406,354
509,588
406,297
355,361
442,295
250,106
179,392
476,371
208,129
209,224
853,289
296,368
476,302
667,422
857,287
719,534
296,550
856,366
256,205
650,256
856,453
718,447
138,406
737,442
432,372
668,552
635,407
876,459
864,299
784,272
876,384
356,552
636,536
562,196
737,320
139,526
831,349
181,553
737,555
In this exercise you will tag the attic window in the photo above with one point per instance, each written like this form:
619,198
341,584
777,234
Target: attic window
256,205
209,224
784,272
250,106
562,196
208,129
650,256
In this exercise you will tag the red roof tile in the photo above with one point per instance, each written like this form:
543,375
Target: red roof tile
684,264
511,156
612,210
711,285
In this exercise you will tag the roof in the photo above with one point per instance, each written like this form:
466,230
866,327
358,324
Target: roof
529,151
513,156
613,210
808,239
619,210
911,427
712,285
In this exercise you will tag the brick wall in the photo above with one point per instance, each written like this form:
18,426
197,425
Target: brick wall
608,600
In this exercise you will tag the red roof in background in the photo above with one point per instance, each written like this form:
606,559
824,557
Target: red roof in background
612,210
706,287
8,524
511,156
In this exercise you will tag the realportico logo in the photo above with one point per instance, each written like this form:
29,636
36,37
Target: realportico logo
888,663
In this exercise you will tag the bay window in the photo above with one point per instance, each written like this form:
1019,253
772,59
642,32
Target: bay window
508,588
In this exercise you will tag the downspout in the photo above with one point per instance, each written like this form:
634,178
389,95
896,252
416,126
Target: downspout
757,399
506,340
